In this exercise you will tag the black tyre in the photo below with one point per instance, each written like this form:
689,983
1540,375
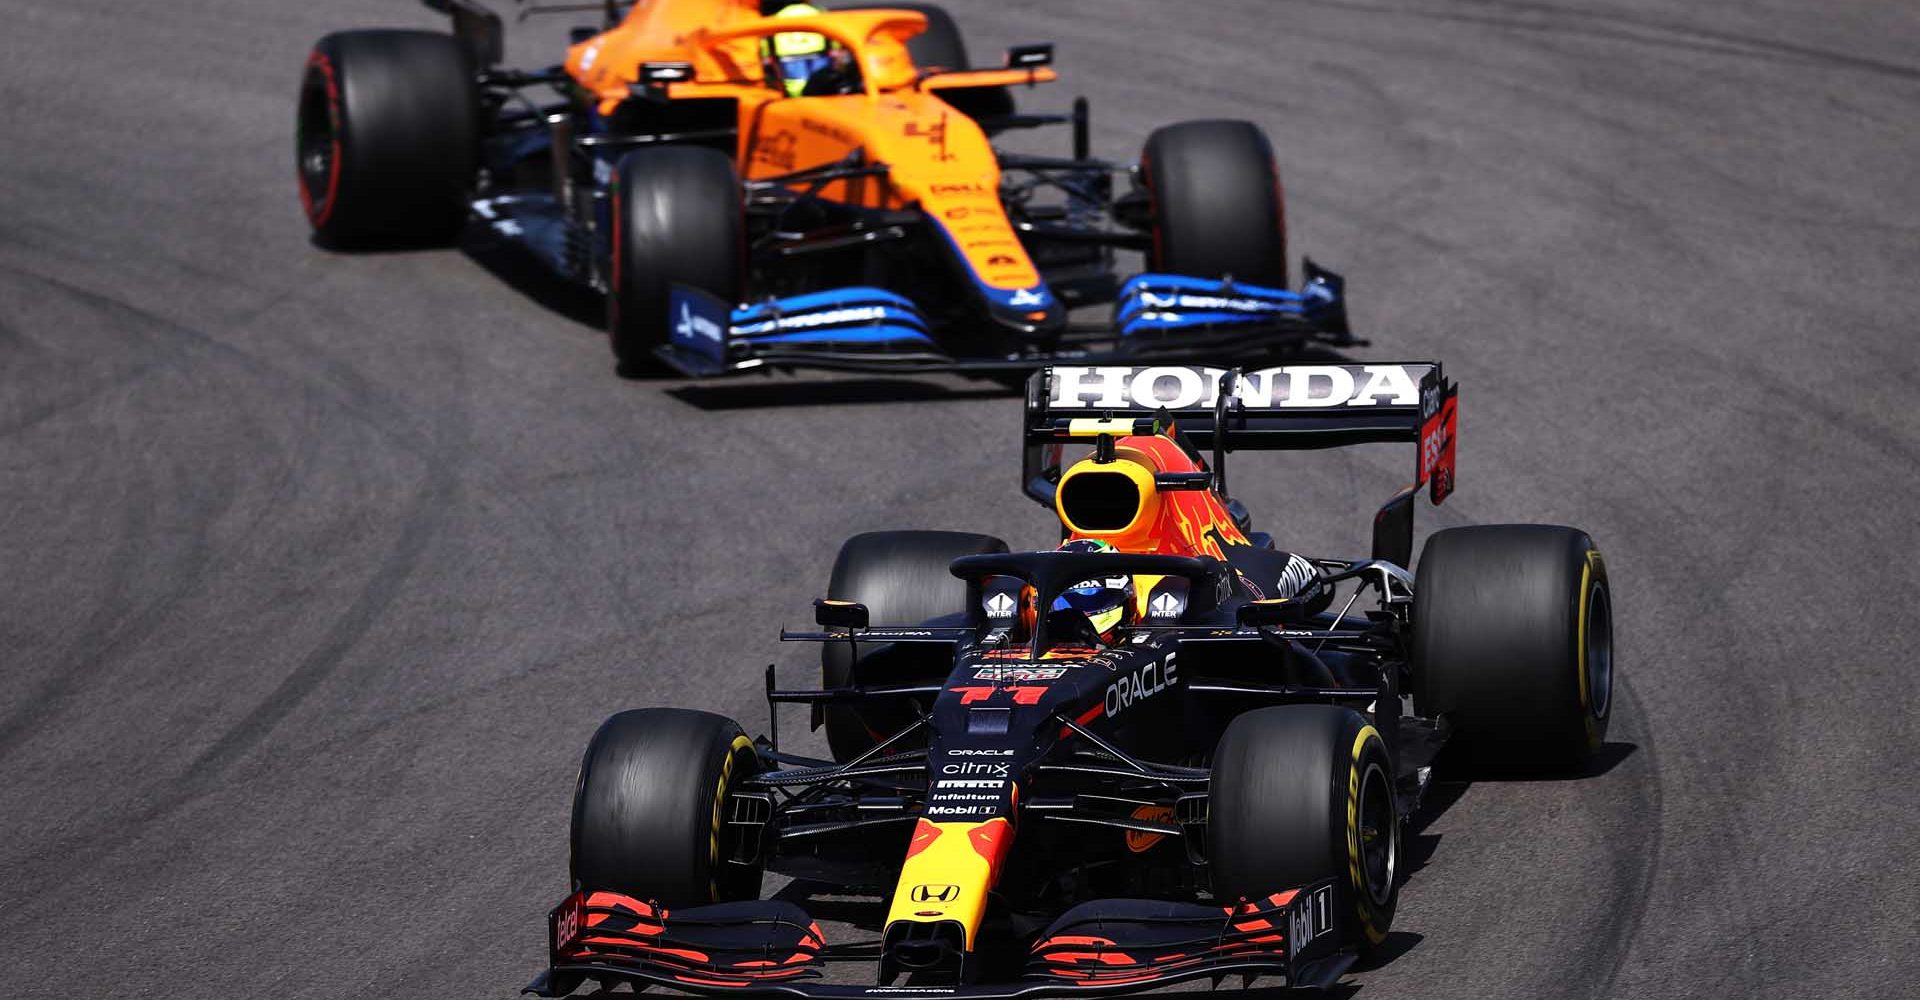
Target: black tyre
902,578
677,219
650,808
1302,793
388,139
942,47
1216,202
1513,642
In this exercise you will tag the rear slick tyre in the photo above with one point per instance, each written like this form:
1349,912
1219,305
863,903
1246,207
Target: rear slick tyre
1513,644
902,578
387,144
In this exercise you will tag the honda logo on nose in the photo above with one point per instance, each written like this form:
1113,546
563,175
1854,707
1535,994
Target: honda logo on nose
935,893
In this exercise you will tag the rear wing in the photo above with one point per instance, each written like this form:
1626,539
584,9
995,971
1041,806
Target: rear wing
1287,408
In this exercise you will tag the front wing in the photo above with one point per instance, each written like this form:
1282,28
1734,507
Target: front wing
772,948
1157,318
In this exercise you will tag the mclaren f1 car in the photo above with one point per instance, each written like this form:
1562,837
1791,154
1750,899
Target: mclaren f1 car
743,206
1166,751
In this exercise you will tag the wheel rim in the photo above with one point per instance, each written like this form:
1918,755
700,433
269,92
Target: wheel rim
727,875
1379,835
315,145
1599,652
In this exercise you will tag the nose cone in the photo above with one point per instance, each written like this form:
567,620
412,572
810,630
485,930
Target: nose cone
941,897
1029,310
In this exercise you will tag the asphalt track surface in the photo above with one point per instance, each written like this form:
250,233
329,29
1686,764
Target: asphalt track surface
320,569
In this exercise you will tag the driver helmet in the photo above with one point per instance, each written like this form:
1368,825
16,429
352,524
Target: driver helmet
799,54
1107,602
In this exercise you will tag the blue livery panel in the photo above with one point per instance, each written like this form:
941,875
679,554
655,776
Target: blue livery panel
1160,303
857,316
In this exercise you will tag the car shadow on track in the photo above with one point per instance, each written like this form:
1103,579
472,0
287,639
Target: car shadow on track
1448,789
782,391
517,269
1398,943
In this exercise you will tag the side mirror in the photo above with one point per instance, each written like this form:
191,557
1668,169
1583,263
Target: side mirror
1270,612
839,614
1030,56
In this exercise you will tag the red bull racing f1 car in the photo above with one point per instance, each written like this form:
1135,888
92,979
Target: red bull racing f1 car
743,207
1167,750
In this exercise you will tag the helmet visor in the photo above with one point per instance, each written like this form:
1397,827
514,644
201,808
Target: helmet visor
1103,605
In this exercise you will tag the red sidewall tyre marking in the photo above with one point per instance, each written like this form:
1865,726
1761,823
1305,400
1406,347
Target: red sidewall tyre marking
319,61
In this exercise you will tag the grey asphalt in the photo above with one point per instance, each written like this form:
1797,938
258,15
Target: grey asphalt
319,570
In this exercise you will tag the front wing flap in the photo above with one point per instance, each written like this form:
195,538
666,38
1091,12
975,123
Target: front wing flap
1141,942
1169,305
1158,319
859,327
724,946
771,948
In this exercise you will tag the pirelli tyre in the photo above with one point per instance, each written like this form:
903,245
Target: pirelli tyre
903,579
1513,643
387,138
1213,190
677,220
651,808
1300,794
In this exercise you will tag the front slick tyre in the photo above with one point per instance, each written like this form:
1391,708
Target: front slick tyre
1300,794
678,220
651,807
387,143
1217,206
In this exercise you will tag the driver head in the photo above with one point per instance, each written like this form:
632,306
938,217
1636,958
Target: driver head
797,55
1106,603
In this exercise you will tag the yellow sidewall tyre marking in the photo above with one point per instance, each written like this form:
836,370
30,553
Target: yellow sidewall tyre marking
740,743
1595,569
1356,866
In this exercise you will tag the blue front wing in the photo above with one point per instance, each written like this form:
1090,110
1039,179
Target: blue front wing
1158,316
